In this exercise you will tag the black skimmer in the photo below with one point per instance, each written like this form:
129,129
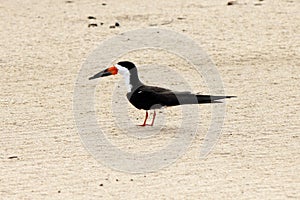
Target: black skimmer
150,97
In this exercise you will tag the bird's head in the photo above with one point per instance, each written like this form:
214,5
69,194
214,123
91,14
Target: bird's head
122,68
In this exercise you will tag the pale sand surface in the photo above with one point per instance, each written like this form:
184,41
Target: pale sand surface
255,48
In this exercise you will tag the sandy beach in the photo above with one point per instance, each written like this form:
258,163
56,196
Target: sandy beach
255,48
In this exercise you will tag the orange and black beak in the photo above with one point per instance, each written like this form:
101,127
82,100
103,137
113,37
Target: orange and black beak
107,72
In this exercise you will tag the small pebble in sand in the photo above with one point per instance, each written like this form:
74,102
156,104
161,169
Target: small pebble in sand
104,4
117,24
58,191
112,26
257,4
69,1
101,184
12,157
117,180
91,17
230,3
131,179
92,25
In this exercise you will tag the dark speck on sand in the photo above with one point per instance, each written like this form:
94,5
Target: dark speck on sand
92,25
230,3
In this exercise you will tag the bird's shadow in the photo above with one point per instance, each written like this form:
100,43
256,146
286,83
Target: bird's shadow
144,132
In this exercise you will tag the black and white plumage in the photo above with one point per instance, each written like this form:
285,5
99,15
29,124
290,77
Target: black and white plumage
147,97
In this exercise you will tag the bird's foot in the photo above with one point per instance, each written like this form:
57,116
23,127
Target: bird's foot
146,117
145,125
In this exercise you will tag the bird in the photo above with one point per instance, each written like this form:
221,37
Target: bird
148,97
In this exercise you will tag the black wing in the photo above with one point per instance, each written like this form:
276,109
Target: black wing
151,97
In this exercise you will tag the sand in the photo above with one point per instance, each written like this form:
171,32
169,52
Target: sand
255,47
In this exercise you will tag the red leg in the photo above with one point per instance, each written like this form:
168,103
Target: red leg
153,118
146,117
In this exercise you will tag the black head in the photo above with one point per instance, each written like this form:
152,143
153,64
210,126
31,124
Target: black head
127,64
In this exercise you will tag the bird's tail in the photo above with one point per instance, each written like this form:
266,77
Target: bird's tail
211,99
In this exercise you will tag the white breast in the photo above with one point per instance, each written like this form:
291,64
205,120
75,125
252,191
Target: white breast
125,73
